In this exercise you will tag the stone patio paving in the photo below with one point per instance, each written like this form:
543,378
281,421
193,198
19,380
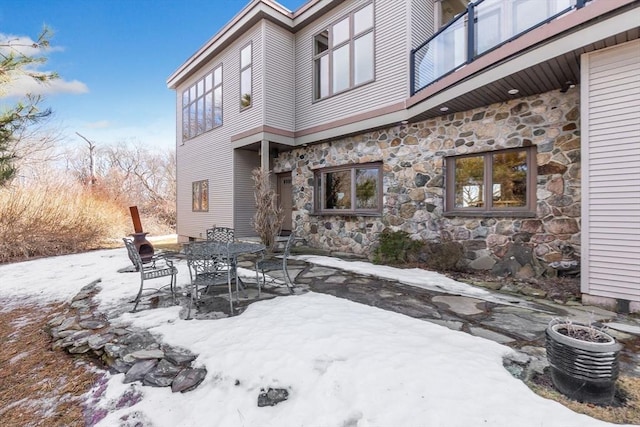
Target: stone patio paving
520,324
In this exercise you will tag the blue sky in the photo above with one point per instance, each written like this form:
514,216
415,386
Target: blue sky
114,57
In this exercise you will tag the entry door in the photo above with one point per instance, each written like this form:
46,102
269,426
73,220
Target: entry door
286,199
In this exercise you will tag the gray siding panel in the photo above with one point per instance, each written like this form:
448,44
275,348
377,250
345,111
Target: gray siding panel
422,21
210,155
279,77
244,162
391,83
244,119
611,172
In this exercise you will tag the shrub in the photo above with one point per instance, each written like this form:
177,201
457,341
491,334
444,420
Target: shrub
268,218
54,219
396,247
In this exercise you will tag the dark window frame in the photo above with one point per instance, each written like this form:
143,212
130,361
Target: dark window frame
248,67
331,48
200,196
193,101
489,210
319,190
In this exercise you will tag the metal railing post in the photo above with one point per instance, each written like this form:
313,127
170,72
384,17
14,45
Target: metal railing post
471,30
412,72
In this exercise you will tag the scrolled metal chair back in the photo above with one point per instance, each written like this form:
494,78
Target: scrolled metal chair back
221,234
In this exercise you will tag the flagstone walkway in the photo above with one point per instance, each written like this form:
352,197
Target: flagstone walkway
514,320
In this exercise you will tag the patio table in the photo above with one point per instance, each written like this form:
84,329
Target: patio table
231,250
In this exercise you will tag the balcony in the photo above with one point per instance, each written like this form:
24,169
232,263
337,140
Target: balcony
483,27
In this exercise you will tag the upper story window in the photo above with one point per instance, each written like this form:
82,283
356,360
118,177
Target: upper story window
343,54
447,10
349,190
202,105
497,182
245,76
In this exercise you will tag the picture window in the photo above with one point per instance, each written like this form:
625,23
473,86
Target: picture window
349,190
498,182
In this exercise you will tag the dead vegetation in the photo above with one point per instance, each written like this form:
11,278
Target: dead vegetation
50,219
38,386
626,409
268,218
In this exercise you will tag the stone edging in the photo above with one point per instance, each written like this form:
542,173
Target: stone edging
136,353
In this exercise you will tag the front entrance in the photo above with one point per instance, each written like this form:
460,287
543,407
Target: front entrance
285,198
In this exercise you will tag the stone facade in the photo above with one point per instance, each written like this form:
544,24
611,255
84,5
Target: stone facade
413,183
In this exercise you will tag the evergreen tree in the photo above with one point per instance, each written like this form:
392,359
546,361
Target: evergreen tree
15,62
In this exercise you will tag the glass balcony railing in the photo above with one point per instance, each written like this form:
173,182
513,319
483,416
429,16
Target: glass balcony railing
485,25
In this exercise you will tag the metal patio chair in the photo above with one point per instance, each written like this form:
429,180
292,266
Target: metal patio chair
267,264
207,268
155,268
221,234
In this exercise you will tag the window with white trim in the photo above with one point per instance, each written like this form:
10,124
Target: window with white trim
344,54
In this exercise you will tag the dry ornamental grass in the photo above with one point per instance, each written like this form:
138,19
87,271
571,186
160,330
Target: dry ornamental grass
51,219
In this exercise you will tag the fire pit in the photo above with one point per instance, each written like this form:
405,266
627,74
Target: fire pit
584,364
143,246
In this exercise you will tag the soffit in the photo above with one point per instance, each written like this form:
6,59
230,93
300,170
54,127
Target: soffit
541,76
550,75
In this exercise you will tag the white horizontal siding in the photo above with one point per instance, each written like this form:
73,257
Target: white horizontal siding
611,172
279,77
243,119
244,203
421,21
391,83
210,155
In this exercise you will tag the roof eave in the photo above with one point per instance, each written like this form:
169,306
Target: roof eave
248,16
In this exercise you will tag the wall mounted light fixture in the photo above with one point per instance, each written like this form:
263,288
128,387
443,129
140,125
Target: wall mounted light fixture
569,84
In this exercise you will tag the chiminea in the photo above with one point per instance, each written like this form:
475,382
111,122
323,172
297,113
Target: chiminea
144,247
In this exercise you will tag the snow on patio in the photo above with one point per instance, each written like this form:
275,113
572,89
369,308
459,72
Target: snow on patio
343,363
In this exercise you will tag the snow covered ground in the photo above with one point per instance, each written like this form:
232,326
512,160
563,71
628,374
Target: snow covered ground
343,363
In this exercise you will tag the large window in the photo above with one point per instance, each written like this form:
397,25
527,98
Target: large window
202,105
493,182
245,76
343,54
200,196
352,189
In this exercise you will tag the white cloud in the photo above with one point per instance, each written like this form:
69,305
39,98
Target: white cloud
23,45
20,85
18,45
17,84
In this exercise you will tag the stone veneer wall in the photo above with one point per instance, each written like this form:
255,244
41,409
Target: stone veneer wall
413,180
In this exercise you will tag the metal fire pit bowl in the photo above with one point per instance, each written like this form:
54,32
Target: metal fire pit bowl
583,370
